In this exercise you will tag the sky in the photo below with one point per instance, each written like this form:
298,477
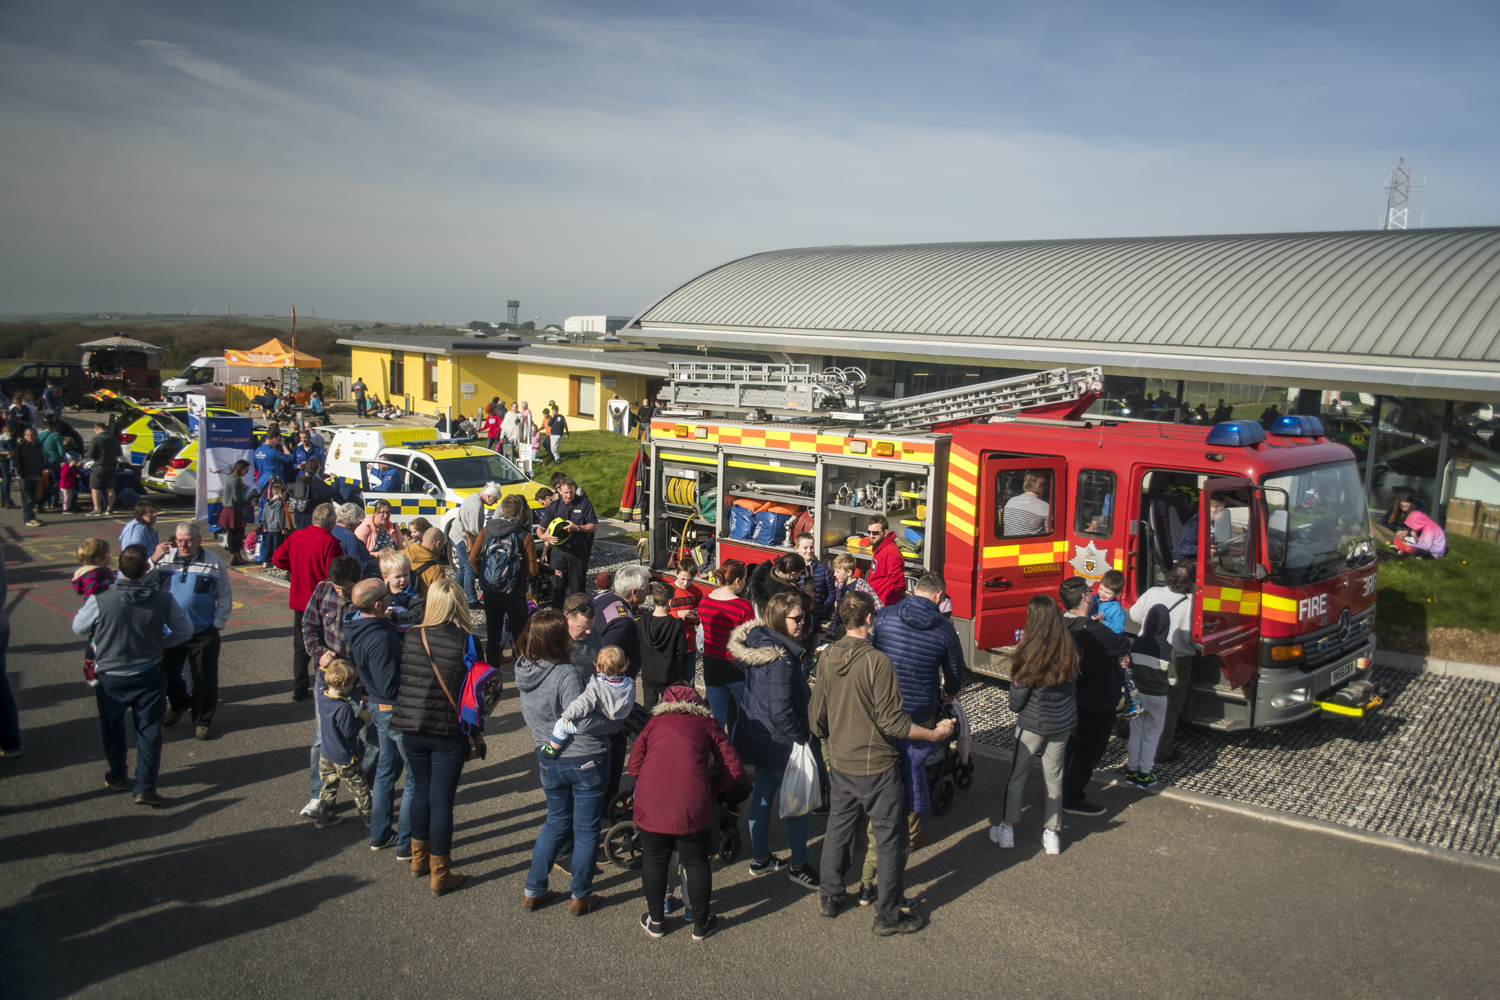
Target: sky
429,160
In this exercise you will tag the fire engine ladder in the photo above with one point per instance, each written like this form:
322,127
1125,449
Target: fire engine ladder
785,388
1004,396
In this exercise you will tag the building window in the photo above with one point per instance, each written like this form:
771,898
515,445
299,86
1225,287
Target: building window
429,378
398,374
583,395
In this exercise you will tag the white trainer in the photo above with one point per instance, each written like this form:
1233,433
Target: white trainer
1003,835
1051,842
311,809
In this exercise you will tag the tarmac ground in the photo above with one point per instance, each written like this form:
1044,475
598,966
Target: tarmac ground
225,893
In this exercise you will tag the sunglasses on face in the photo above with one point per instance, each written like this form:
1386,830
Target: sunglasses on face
794,618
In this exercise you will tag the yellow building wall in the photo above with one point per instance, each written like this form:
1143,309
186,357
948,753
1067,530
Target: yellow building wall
507,378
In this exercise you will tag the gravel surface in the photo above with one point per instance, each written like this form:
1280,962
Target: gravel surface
1423,767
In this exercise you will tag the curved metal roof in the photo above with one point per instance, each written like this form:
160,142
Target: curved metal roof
1338,307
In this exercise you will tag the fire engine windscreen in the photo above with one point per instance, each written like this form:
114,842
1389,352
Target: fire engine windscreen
1317,523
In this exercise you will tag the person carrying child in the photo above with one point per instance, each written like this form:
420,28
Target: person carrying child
93,576
1110,610
846,581
662,646
341,720
1102,657
608,697
407,606
1150,660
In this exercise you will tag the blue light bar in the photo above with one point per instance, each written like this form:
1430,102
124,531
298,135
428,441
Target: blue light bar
1294,425
1236,433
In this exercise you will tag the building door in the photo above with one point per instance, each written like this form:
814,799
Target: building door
398,374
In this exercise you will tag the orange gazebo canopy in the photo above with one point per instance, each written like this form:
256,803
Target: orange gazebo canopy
272,354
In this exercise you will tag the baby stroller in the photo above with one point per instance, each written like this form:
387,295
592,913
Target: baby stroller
622,841
946,770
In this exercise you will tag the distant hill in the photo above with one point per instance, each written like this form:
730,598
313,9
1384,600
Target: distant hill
181,341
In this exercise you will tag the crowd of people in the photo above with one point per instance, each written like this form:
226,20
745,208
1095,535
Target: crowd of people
802,660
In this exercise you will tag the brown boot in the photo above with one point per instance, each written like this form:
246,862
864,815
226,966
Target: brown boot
419,856
444,879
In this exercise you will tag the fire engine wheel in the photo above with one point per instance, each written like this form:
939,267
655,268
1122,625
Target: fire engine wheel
622,845
963,775
942,799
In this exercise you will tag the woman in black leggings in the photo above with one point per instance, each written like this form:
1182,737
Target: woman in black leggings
681,761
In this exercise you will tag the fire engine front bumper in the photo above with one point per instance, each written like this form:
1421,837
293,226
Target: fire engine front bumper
1291,695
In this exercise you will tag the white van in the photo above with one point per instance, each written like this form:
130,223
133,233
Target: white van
211,377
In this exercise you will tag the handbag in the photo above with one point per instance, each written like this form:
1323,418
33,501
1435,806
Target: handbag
477,749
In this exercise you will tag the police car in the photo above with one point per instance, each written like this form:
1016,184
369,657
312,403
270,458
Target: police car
418,473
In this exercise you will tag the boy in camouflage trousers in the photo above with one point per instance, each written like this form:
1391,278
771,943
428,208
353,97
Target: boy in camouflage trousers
339,756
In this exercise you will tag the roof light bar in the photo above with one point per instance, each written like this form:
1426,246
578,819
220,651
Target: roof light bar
1236,433
1297,425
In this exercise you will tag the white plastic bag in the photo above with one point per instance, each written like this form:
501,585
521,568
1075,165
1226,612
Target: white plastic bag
801,790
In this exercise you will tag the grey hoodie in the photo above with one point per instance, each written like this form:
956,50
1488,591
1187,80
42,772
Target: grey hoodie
546,690
132,622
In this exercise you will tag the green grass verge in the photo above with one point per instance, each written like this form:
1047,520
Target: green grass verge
597,461
1452,592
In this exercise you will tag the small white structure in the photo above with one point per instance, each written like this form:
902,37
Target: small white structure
594,324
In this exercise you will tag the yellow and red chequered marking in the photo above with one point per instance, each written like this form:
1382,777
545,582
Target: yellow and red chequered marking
807,442
1279,609
1034,554
1231,600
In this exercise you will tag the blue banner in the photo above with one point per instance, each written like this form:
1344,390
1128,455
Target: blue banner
222,441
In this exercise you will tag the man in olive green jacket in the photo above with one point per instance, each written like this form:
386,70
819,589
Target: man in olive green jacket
856,706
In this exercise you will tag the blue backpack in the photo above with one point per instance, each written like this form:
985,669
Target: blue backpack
502,563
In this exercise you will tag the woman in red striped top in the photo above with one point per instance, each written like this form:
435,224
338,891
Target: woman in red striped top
721,612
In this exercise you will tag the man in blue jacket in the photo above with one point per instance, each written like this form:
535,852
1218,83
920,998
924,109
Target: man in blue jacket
822,581
199,583
375,648
308,447
929,661
274,458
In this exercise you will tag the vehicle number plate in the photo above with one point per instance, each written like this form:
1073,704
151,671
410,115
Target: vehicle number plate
1343,672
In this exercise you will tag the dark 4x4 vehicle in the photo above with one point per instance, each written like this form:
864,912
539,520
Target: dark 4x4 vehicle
33,376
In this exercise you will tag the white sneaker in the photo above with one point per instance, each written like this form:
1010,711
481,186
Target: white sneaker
1051,842
311,809
1003,835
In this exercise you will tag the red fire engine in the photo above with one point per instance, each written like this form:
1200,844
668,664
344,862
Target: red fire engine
1283,612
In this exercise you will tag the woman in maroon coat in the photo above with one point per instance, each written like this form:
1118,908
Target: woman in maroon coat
681,761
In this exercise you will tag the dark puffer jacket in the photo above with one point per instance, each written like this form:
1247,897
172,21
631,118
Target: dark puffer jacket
421,706
1050,711
926,651
773,714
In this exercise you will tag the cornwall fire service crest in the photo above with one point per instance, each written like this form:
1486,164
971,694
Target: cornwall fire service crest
1091,562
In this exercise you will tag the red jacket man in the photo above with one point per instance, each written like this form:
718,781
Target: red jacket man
306,554
888,572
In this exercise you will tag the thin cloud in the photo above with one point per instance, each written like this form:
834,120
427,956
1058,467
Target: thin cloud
184,60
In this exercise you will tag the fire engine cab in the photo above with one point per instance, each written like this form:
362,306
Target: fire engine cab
1002,490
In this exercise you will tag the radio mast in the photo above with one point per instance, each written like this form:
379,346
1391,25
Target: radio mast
1398,196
